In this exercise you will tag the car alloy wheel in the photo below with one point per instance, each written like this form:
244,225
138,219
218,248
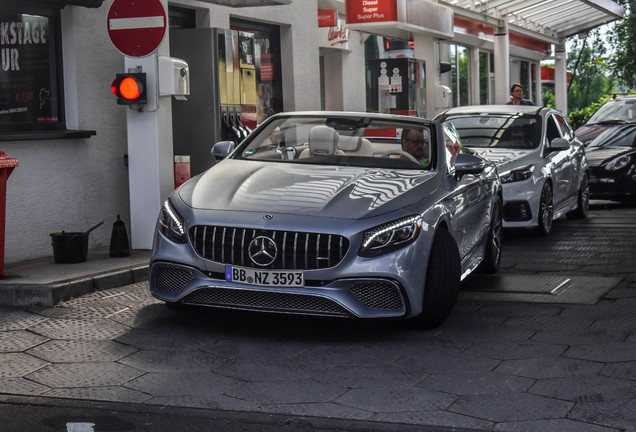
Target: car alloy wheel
442,282
492,255
546,210
583,208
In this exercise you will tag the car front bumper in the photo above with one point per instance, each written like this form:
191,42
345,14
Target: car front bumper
615,186
359,297
521,204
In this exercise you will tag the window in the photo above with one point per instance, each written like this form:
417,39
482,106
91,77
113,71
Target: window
30,77
486,77
460,72
552,130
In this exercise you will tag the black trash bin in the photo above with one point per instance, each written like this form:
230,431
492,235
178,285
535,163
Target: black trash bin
69,247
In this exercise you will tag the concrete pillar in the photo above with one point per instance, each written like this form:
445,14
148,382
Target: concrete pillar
474,76
560,78
426,49
150,153
538,91
502,64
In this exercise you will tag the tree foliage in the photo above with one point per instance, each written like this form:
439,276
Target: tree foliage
602,65
591,80
622,37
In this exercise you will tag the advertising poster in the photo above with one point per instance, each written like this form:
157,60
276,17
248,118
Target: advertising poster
28,81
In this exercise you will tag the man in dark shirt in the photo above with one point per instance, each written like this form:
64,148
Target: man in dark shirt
516,91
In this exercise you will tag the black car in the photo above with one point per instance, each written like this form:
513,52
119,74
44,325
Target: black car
618,111
612,161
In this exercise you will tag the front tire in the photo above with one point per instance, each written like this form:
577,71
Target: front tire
492,256
583,208
442,282
546,210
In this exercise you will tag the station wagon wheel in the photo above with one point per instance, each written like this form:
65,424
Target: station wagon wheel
583,208
492,255
546,210
442,282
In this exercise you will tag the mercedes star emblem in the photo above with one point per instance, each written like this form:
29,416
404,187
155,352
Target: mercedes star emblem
262,251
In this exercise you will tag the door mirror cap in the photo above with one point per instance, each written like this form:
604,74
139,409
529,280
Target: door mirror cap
222,149
559,144
468,164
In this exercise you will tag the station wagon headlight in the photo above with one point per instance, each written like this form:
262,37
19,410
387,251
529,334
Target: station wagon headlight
391,236
517,174
171,223
618,163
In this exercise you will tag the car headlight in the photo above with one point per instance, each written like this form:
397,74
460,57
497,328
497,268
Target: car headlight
171,223
517,174
390,236
618,163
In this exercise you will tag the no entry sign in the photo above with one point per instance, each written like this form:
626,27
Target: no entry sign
136,27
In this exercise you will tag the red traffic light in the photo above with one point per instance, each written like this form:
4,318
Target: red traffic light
130,88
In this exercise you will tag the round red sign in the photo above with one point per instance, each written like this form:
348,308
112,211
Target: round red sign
136,27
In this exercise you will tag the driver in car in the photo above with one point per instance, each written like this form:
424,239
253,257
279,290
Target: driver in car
413,142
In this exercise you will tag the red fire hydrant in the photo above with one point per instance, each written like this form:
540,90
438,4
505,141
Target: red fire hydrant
7,165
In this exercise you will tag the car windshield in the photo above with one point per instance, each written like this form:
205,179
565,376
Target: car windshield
615,111
342,140
516,131
624,136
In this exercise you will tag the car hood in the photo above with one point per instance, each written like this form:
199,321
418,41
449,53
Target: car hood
328,191
597,156
505,159
587,133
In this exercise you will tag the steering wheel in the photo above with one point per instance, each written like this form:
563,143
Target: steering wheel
284,152
407,155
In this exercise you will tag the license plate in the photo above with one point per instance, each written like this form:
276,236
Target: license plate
273,278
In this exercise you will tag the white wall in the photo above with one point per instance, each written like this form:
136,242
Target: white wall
353,75
72,184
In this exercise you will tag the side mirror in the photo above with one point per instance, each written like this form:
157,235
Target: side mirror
468,164
222,149
559,144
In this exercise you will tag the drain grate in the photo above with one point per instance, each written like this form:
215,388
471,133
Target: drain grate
521,284
538,288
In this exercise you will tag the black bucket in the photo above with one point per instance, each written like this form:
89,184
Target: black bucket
69,247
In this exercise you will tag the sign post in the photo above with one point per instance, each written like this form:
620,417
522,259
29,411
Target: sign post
137,29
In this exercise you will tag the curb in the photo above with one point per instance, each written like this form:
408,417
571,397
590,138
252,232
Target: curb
53,293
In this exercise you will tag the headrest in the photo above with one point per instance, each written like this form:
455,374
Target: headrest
323,140
349,143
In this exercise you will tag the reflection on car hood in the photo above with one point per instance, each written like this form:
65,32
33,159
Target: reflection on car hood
587,133
502,157
596,156
330,191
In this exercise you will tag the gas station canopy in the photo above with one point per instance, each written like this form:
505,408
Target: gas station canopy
548,20
248,3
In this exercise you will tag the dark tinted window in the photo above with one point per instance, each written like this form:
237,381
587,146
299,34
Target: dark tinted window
497,130
616,137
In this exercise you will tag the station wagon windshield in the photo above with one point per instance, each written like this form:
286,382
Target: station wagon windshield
514,131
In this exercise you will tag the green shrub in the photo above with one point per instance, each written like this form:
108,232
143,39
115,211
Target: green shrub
578,117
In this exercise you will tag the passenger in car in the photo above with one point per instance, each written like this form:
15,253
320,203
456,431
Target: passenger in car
415,143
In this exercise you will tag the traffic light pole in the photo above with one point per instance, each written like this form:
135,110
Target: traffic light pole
150,152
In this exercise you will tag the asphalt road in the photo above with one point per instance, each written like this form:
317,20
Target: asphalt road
548,344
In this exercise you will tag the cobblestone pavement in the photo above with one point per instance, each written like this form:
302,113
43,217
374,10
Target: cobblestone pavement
534,363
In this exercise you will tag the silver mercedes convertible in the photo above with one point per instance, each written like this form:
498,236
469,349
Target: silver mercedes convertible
332,213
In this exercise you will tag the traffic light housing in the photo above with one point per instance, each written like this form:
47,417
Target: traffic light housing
130,88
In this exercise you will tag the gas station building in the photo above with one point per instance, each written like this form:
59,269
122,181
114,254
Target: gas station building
218,69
